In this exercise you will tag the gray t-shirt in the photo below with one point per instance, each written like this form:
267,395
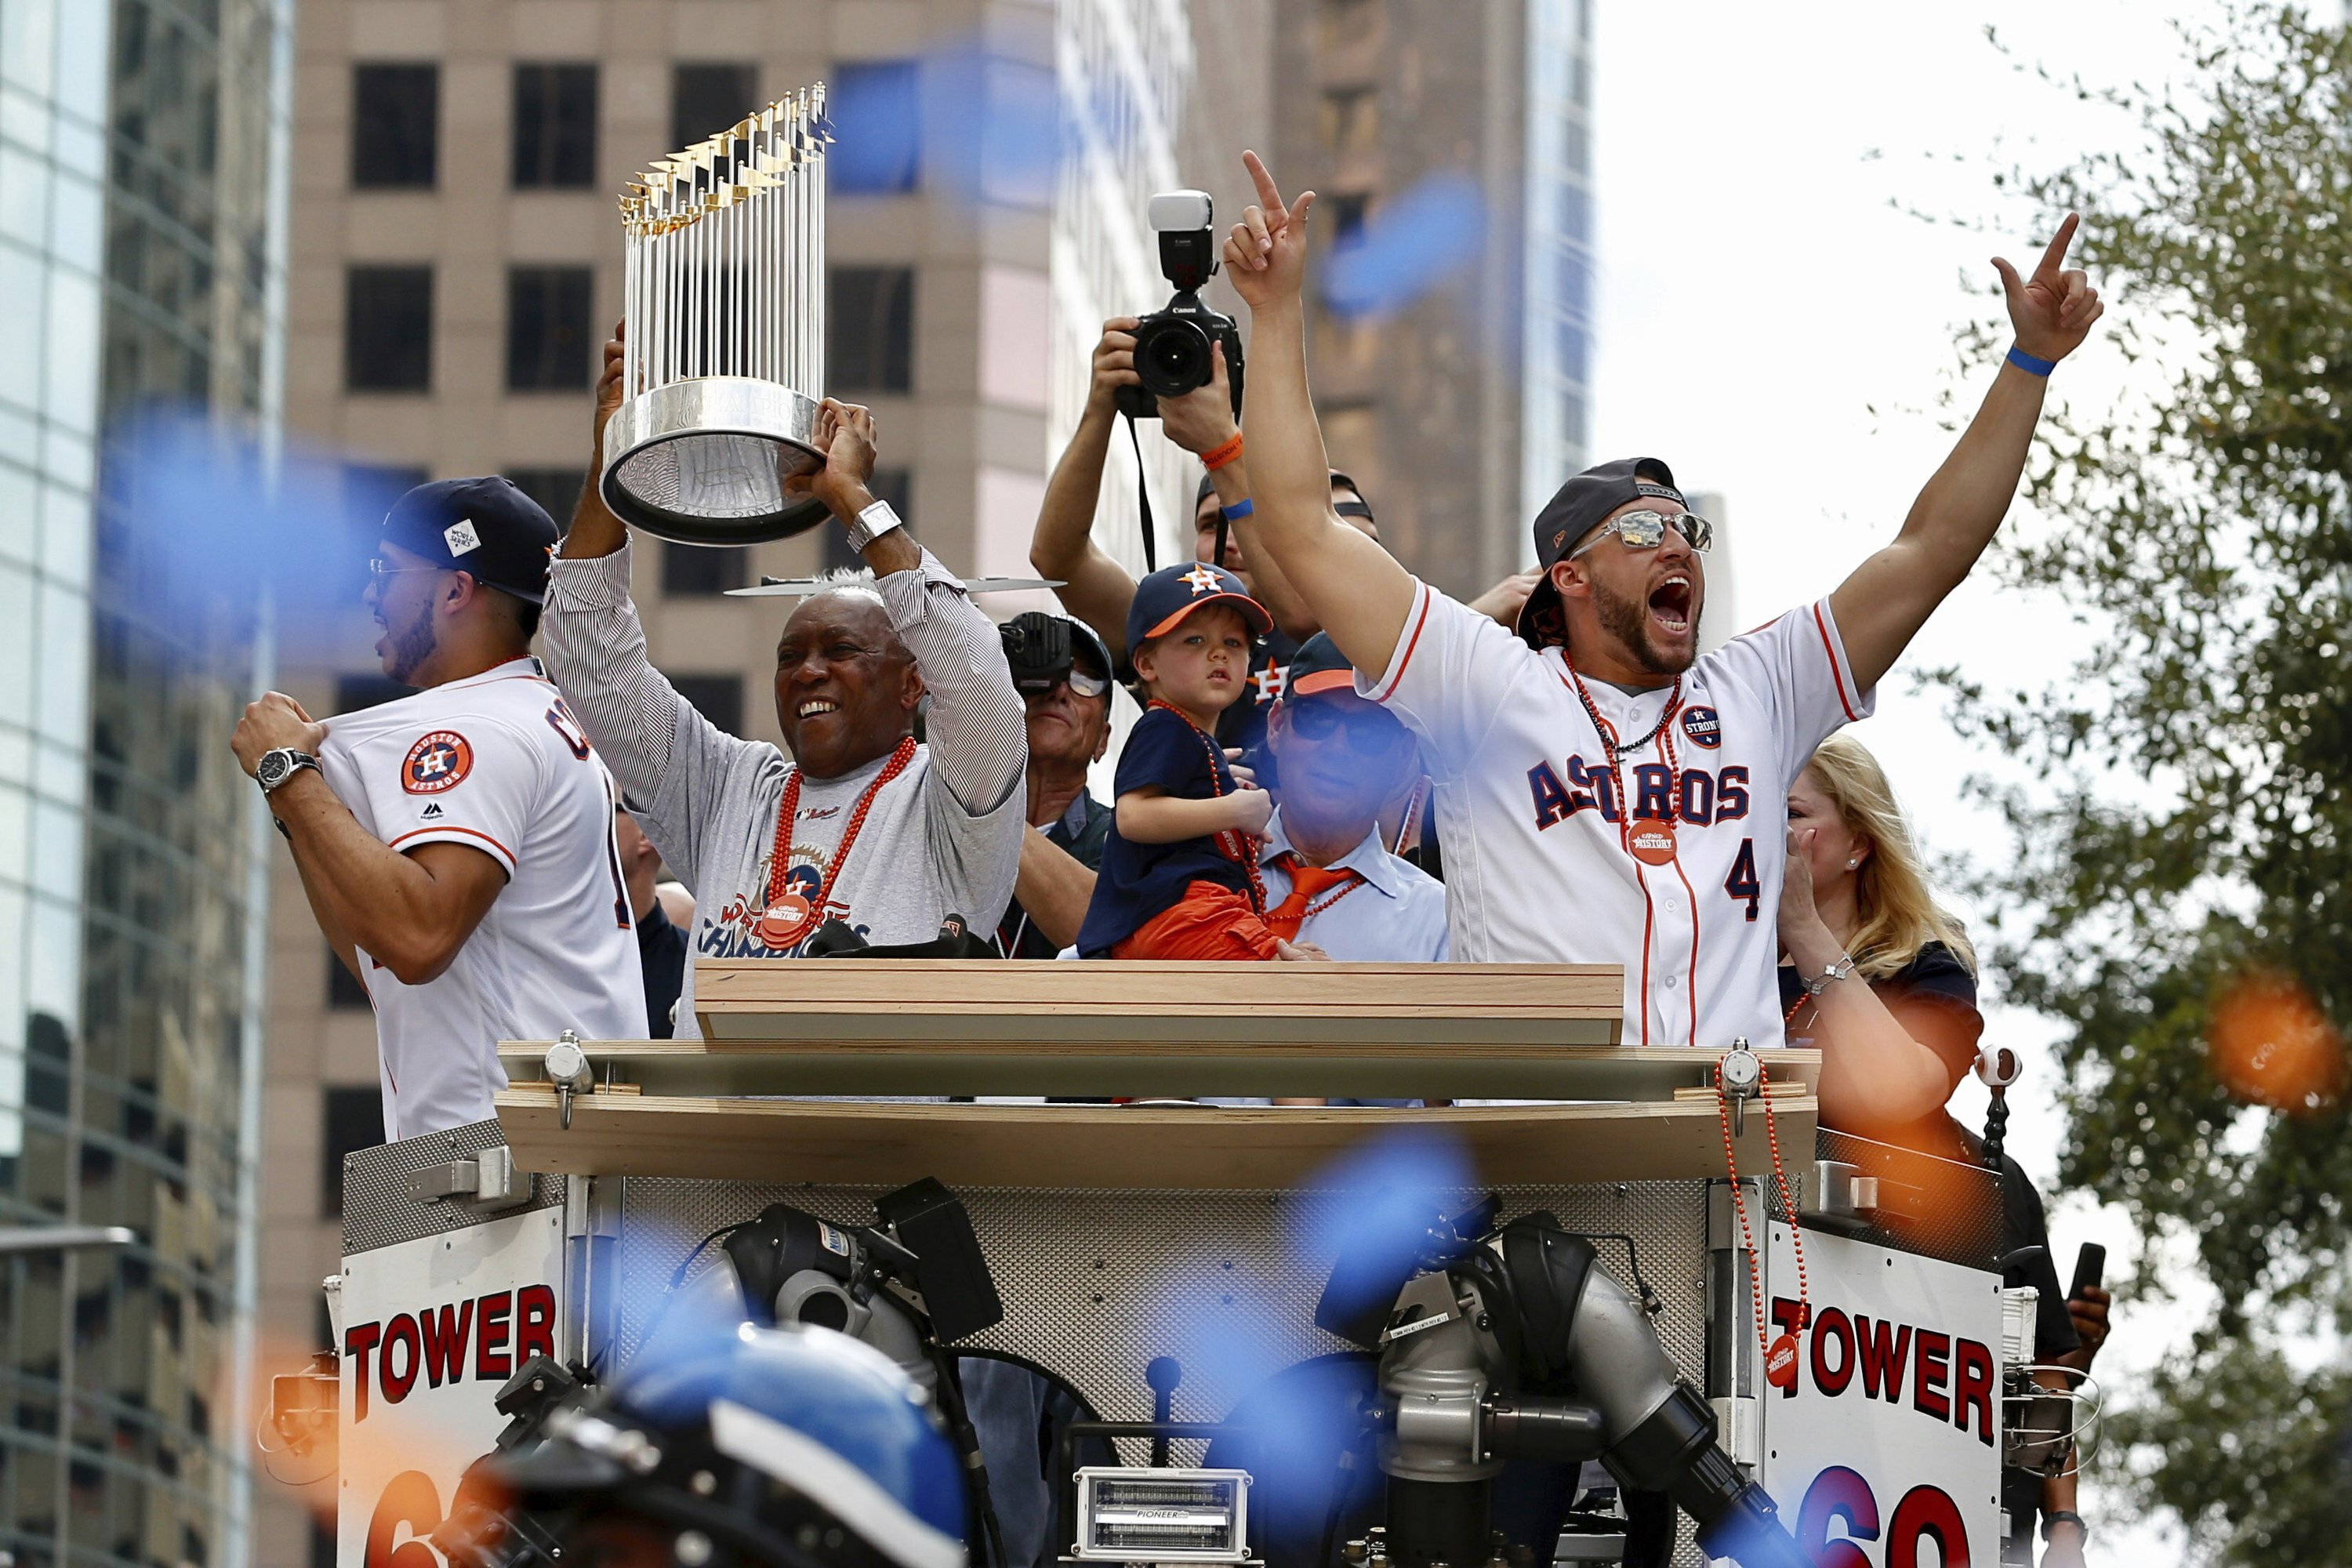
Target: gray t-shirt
941,838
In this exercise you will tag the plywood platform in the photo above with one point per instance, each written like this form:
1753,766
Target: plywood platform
736,1104
1193,1147
1137,1068
904,1002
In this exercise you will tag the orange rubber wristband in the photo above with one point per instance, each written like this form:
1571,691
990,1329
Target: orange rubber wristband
1224,452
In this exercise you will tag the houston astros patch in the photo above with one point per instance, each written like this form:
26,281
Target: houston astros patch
438,762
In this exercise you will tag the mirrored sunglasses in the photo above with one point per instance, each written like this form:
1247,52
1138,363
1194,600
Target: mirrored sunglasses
1648,530
1079,680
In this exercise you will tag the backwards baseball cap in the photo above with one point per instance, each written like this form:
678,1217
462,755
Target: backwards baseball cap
1173,592
483,527
1317,667
1571,514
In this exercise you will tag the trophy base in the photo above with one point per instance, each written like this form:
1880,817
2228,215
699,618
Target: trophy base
705,462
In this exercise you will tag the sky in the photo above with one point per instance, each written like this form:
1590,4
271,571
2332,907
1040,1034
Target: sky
1777,323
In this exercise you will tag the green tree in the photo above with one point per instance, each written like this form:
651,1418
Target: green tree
2200,819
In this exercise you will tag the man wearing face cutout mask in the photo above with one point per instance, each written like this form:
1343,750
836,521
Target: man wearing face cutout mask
1605,793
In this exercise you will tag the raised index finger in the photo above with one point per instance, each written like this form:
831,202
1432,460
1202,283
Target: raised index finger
2053,256
1269,195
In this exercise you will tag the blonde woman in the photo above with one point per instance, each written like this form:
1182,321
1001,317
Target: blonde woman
1870,967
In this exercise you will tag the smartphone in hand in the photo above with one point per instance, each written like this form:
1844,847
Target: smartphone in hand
2090,1264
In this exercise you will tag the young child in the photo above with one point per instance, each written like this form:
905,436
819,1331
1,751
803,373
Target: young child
1178,877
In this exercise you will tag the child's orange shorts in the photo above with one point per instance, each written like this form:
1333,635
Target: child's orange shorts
1209,922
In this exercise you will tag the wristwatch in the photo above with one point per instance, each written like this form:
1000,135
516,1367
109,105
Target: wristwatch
870,525
1831,975
278,765
2065,1516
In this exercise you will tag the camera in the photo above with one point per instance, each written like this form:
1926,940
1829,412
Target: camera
1172,346
1045,650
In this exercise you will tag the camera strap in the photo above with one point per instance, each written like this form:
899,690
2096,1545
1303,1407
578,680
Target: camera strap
1143,501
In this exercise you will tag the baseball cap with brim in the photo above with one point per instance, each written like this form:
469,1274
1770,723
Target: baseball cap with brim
1173,592
483,527
1570,515
1089,648
1317,667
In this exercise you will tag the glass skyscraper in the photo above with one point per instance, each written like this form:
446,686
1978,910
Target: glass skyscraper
140,145
1558,345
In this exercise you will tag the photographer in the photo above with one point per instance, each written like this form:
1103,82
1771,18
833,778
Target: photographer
1096,589
1063,673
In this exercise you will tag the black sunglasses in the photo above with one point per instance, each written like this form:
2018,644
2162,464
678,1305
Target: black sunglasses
1371,734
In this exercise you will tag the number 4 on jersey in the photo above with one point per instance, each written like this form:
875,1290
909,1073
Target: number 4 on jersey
1742,882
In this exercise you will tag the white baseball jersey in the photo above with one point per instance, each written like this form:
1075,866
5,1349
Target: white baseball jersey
496,763
1545,864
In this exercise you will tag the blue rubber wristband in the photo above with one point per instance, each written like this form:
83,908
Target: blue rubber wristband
2028,364
1239,510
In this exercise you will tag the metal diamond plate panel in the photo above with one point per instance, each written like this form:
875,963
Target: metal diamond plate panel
377,1209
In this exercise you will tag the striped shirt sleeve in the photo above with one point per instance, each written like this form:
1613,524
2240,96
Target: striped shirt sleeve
976,725
651,738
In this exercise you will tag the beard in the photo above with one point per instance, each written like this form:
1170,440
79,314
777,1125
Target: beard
1628,620
411,645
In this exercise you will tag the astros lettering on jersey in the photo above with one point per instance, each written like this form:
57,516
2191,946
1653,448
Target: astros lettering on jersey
1548,862
496,763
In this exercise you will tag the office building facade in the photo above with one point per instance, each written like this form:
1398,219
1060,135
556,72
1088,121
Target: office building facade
1449,148
138,255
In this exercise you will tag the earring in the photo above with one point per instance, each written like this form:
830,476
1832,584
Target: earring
1850,865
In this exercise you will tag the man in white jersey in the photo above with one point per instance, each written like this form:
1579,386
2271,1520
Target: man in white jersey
456,846
1606,794
884,834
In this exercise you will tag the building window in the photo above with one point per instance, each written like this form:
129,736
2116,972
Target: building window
892,485
718,697
870,329
695,571
554,127
395,126
704,99
557,490
353,1120
369,489
1348,214
344,991
354,693
546,328
876,110
388,329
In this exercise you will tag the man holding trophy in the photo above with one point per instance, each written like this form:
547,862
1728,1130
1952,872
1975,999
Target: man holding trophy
714,438
860,824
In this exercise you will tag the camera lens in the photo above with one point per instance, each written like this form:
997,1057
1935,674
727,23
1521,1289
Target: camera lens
1172,355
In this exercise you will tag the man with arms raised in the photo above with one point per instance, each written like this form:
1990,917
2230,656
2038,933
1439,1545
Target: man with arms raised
1605,794
861,823
456,846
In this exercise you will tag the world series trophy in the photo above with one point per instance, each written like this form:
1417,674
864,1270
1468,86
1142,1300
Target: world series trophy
723,365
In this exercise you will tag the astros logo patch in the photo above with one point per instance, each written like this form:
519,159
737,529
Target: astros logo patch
1703,727
1201,580
440,761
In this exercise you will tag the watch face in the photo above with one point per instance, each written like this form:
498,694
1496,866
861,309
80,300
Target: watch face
272,769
